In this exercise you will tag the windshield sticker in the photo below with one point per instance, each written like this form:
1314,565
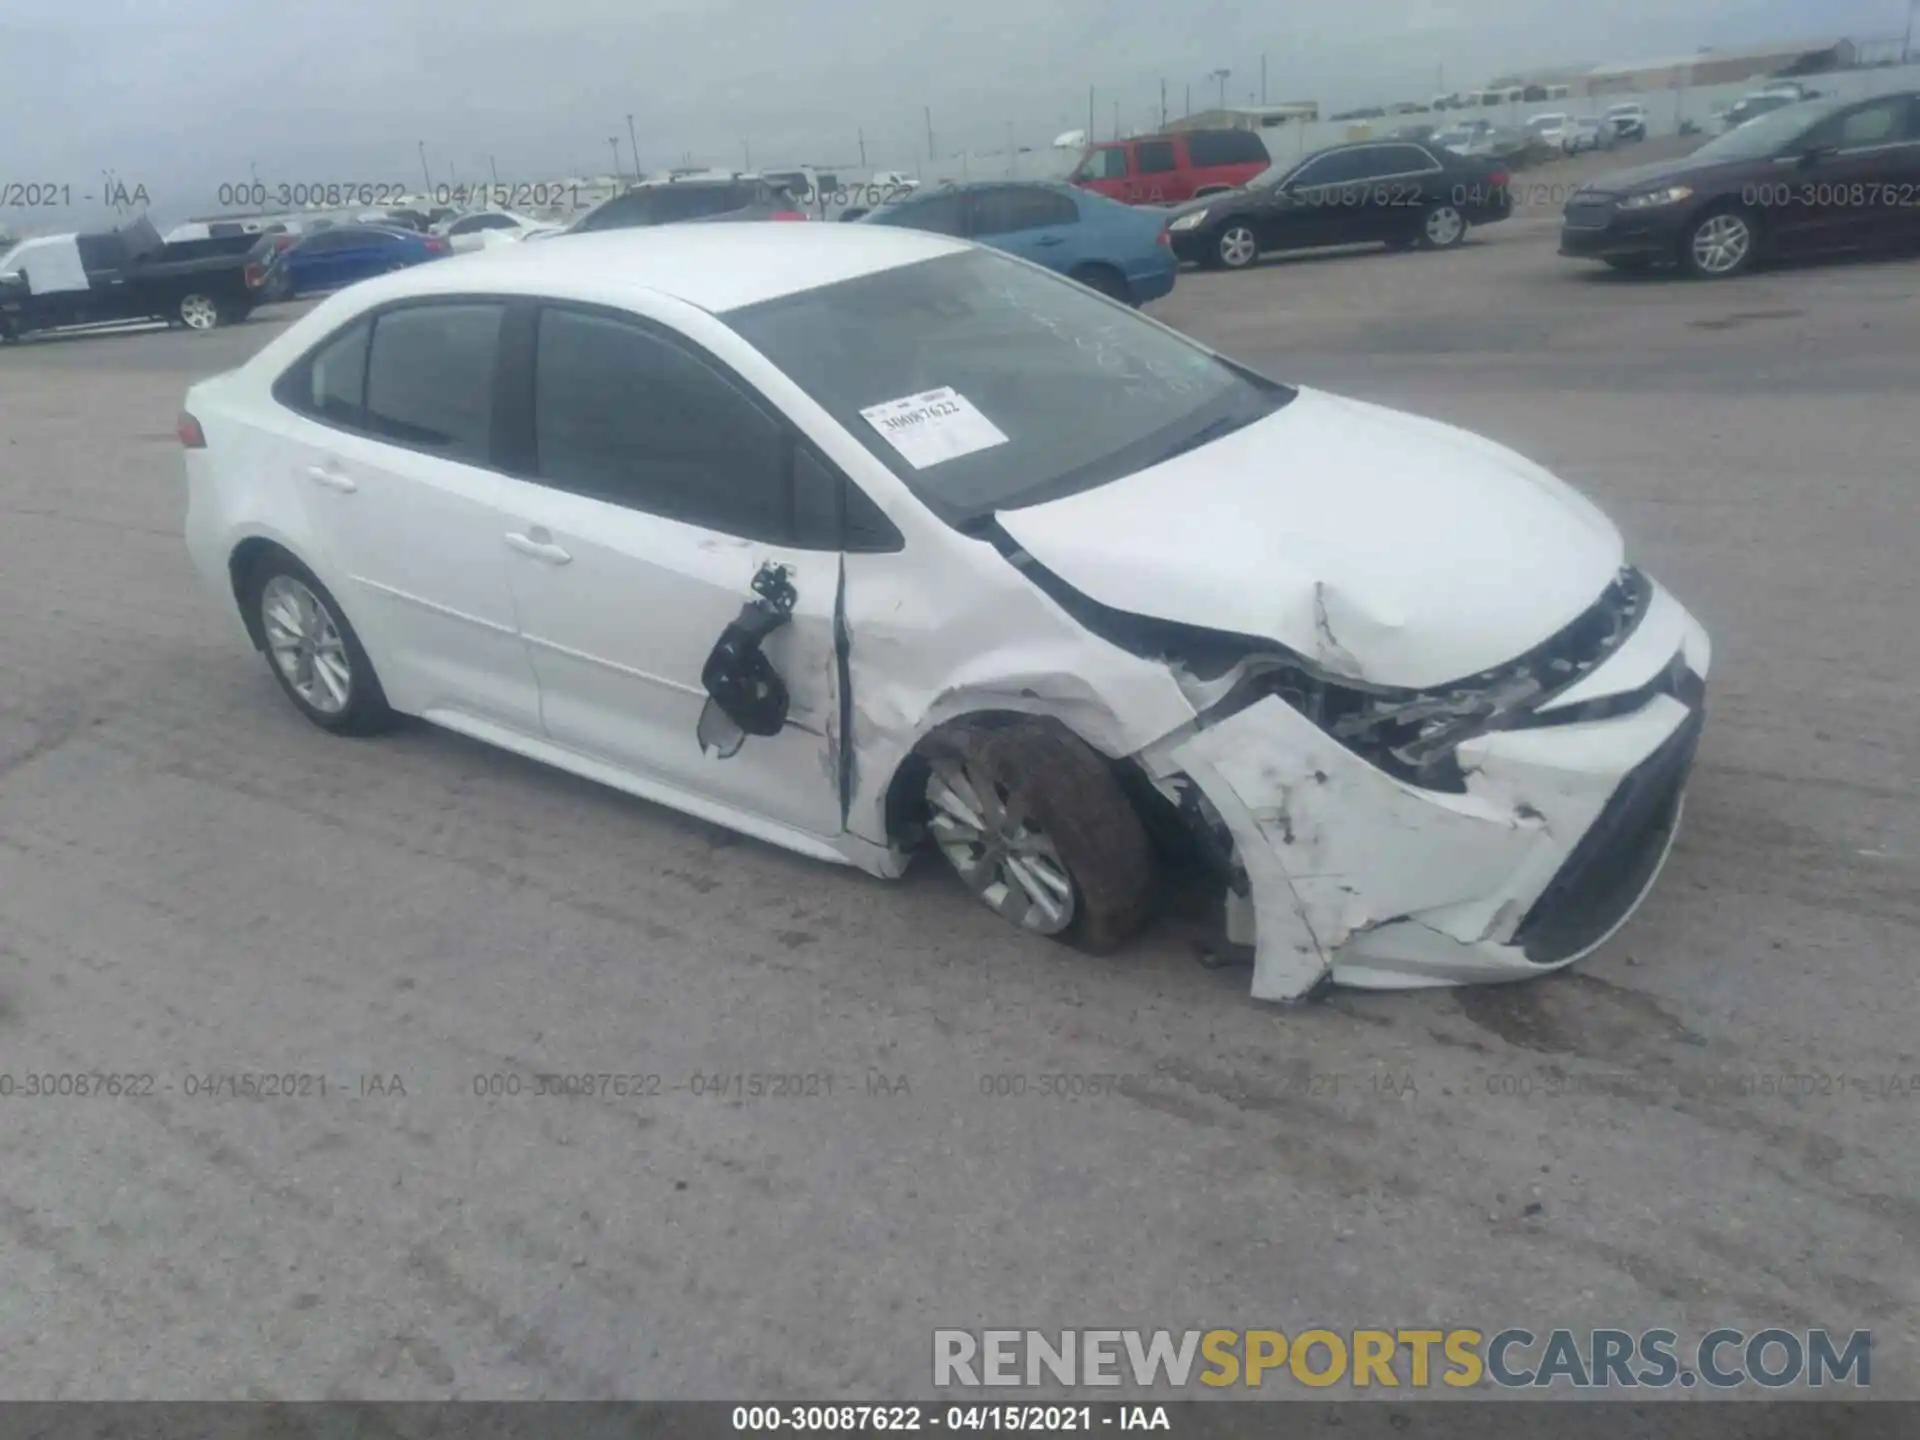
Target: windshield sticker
933,426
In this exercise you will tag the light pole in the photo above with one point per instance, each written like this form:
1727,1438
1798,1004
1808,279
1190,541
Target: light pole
635,150
614,142
1221,77
1906,41
424,171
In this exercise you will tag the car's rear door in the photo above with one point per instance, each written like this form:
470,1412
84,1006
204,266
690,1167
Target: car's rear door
661,485
390,441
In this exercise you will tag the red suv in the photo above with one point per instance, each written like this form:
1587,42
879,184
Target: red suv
1172,169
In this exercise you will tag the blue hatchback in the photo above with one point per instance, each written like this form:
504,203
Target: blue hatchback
327,259
1119,250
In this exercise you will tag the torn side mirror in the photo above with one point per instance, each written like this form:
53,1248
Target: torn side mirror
745,694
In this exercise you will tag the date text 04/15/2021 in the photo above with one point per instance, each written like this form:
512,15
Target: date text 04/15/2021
960,1419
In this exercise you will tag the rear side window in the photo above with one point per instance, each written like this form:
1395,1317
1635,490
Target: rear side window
430,378
336,379
1402,160
1106,164
633,208
1156,157
699,202
1225,147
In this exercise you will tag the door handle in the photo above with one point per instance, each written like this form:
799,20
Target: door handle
1048,240
332,479
538,548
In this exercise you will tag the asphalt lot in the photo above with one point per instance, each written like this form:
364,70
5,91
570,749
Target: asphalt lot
1713,1122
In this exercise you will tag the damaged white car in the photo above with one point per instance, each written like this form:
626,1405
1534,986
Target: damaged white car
857,540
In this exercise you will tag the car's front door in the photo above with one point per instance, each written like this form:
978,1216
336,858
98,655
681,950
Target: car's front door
393,454
1302,211
1031,221
662,489
1158,178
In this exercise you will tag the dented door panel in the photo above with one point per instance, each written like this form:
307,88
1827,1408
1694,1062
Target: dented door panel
620,632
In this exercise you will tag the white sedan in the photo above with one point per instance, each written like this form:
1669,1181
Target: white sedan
854,539
488,228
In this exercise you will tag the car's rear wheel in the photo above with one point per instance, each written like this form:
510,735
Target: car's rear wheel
1442,227
1036,825
198,311
1720,244
1236,246
313,650
1105,279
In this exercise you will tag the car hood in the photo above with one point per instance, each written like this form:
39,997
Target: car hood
1640,177
1382,546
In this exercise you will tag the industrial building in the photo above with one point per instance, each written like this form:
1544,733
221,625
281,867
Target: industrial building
1717,67
1247,117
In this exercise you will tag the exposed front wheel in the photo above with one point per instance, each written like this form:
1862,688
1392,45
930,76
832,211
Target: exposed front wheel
1442,228
1236,246
1721,244
198,311
313,651
1039,829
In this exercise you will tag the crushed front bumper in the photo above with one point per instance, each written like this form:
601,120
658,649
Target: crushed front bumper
1345,874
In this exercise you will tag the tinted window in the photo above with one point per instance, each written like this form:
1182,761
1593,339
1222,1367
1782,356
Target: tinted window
480,222
1107,164
1225,147
942,214
624,416
1334,167
1155,157
697,202
1399,160
1015,208
336,380
430,378
1884,123
819,495
633,208
1054,389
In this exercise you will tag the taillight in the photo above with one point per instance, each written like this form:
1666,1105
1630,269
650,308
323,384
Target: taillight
190,433
281,242
1498,179
787,215
254,276
435,245
1164,240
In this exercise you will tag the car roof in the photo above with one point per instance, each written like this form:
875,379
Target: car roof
715,267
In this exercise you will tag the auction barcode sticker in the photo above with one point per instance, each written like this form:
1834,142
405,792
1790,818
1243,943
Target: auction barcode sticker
933,426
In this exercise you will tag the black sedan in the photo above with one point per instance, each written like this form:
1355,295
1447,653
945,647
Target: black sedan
1817,176
1391,192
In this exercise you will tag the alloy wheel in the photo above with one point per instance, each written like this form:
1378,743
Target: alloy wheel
1000,852
1721,244
198,312
1444,226
305,642
1238,247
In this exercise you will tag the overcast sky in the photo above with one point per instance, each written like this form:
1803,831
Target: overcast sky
181,94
